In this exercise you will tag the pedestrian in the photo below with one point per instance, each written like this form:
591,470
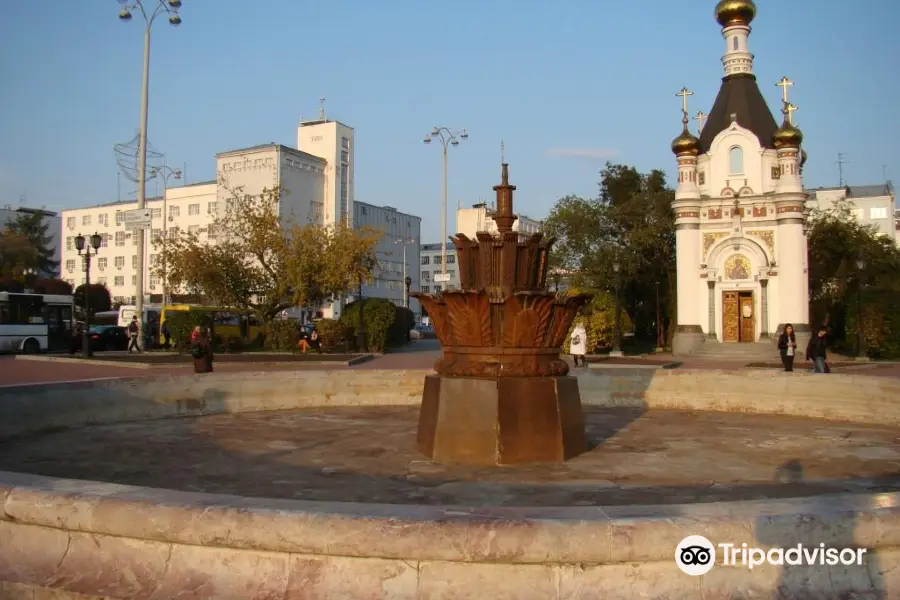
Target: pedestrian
314,341
167,335
134,330
787,346
816,350
201,350
578,345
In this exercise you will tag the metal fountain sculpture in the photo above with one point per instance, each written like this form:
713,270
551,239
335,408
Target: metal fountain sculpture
501,394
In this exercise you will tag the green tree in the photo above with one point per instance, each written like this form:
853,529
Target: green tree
97,295
53,286
630,223
16,254
33,227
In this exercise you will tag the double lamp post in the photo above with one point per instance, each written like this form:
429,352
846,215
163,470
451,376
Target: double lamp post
84,251
447,137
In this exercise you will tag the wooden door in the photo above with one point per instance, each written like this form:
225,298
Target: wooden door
748,319
730,317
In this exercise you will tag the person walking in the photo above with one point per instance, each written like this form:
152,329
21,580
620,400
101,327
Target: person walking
134,330
816,350
578,345
787,346
314,341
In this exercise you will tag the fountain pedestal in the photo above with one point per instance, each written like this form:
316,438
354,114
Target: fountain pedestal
501,394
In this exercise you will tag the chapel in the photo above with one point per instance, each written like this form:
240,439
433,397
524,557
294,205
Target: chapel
740,210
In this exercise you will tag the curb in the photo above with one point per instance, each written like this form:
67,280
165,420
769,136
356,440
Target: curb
147,365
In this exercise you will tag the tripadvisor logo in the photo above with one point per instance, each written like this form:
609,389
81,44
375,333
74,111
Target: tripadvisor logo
696,555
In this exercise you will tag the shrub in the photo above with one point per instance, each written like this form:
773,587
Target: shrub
282,336
182,323
331,334
404,320
379,315
599,321
234,344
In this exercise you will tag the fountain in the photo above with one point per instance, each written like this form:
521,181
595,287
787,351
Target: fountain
501,394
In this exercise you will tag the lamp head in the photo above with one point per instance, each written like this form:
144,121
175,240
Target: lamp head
95,241
79,243
860,264
427,139
175,20
176,173
436,131
464,135
125,14
176,4
454,142
408,281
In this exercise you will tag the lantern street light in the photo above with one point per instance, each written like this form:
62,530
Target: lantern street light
407,280
860,330
447,137
149,9
29,275
85,253
617,334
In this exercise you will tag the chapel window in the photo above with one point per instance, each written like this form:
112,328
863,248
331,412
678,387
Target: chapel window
736,161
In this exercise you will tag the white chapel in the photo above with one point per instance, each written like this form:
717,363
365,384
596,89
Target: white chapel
740,210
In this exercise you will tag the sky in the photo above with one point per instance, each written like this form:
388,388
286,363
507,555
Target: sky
566,86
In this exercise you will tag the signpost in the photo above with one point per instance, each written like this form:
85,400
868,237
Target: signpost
441,277
137,219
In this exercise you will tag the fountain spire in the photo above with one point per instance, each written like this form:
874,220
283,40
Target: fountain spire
504,218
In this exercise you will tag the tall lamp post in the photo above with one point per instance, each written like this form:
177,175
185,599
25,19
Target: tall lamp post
29,275
659,345
447,137
95,241
149,10
406,242
165,172
617,334
860,331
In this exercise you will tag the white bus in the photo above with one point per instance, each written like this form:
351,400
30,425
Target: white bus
127,312
33,323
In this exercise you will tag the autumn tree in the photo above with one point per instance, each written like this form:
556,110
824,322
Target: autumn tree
31,226
257,260
16,254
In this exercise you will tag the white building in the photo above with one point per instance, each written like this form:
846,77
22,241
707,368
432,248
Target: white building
431,265
480,218
870,204
318,188
9,214
740,210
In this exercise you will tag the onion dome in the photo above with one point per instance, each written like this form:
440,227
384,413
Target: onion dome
735,12
686,143
788,136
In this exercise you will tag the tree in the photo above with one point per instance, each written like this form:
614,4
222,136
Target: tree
53,286
630,223
32,226
260,262
16,253
97,295
13,286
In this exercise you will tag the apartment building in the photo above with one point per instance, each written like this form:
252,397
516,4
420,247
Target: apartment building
870,204
431,265
10,214
481,218
318,188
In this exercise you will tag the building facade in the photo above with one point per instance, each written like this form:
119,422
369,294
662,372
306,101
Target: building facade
431,265
740,209
481,218
317,188
873,205
9,214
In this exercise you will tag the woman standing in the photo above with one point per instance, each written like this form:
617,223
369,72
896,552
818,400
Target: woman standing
787,345
201,350
578,345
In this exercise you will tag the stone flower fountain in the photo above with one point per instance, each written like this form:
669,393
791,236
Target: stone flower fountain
501,394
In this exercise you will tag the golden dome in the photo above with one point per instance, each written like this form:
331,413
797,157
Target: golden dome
735,12
788,136
686,143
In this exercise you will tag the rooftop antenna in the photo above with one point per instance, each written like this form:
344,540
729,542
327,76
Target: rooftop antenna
840,163
321,109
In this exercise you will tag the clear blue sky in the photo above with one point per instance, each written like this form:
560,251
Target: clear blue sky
595,77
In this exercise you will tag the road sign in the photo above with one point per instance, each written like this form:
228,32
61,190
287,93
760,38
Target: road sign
441,277
138,218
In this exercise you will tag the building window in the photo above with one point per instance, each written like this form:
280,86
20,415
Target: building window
156,234
134,280
86,220
736,161
426,289
120,238
104,241
437,259
315,138
134,261
154,281
451,259
193,209
103,219
734,43
69,243
154,260
701,178
119,280
194,229
155,213
174,211
102,262
70,265
120,218
120,262
211,208
102,281
426,260
173,233
878,212
70,222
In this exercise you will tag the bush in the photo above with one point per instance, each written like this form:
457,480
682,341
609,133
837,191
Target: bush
282,336
234,344
182,323
379,315
404,320
331,334
599,321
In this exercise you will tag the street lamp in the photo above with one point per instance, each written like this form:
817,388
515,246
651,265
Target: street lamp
616,350
29,275
407,280
153,9
95,241
165,171
860,332
447,138
659,345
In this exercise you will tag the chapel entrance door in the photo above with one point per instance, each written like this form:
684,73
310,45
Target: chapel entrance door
731,320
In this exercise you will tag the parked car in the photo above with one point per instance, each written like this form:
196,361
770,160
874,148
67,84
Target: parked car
108,337
421,331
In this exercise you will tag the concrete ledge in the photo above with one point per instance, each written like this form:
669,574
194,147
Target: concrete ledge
187,361
68,539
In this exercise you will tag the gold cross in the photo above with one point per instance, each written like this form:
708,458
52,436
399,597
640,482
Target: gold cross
701,116
789,111
684,93
784,84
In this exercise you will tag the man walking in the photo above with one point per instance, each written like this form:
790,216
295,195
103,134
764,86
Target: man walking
134,330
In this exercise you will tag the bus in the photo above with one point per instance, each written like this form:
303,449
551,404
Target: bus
226,322
32,323
127,312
